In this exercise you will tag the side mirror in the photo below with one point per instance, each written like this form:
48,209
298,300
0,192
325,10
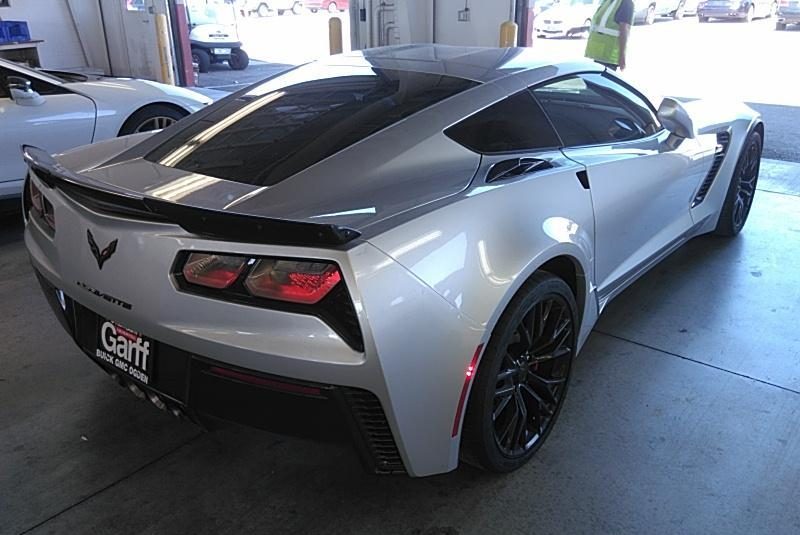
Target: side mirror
21,92
675,118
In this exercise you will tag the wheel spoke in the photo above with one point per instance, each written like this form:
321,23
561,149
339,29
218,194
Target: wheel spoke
501,407
522,424
505,390
526,336
540,391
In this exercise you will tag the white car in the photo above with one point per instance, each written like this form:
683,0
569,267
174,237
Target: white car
566,18
59,111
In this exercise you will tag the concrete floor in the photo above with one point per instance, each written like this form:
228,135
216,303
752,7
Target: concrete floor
682,418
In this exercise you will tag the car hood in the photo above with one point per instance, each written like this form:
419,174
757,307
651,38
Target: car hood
355,188
111,90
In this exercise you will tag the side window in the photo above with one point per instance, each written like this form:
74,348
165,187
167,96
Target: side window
593,109
40,86
515,124
4,73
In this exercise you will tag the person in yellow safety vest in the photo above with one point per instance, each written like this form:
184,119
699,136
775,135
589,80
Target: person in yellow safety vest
608,36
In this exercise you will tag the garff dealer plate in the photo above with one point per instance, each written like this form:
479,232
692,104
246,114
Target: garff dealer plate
126,350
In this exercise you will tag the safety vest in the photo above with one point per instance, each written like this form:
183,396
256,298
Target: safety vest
603,44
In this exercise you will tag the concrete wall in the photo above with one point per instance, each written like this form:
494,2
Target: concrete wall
75,33
50,20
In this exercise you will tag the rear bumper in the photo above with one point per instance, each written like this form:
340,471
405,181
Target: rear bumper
201,388
792,17
722,13
416,345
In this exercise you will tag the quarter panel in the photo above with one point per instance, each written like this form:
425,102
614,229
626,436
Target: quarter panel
477,251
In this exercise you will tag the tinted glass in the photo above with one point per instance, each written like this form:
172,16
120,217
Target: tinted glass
515,124
296,120
41,87
593,109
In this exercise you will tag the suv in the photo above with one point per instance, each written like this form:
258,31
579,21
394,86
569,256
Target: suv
788,13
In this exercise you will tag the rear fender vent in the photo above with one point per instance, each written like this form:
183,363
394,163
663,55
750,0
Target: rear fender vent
723,141
377,444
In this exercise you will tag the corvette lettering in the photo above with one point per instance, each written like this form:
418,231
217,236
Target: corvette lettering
125,350
110,298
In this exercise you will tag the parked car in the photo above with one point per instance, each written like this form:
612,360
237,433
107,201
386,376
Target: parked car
265,8
332,6
690,7
788,13
405,253
59,110
565,18
744,10
646,11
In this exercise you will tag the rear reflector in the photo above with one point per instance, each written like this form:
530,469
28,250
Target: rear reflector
265,382
296,282
468,375
213,270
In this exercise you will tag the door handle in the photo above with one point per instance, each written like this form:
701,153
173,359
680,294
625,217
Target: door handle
516,167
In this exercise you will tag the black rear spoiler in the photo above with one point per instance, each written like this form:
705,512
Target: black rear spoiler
228,226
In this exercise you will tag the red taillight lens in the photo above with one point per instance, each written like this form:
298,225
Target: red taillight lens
41,206
213,270
298,282
36,197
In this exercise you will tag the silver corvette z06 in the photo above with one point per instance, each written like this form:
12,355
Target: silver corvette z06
404,247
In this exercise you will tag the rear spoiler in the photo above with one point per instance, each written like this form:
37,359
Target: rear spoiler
218,225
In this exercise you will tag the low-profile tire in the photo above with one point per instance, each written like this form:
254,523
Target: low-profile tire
152,117
751,13
522,377
650,17
202,58
742,189
678,15
702,19
780,26
239,60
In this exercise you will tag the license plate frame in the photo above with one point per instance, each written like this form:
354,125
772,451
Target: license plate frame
221,51
125,350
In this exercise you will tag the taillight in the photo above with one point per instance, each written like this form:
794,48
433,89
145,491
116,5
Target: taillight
40,206
213,270
296,282
36,197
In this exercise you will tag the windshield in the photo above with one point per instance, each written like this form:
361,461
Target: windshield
211,12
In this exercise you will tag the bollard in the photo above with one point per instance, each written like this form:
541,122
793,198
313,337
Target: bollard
508,34
164,54
335,35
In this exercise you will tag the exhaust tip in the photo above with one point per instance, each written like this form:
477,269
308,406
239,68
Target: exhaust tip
136,391
155,400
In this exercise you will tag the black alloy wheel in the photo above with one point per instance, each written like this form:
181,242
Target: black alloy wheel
742,189
522,378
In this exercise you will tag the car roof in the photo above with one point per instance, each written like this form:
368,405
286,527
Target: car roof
480,64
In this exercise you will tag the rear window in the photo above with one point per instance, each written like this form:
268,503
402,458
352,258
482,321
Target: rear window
298,119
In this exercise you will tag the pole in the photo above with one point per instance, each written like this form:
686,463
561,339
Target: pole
508,34
164,53
335,35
